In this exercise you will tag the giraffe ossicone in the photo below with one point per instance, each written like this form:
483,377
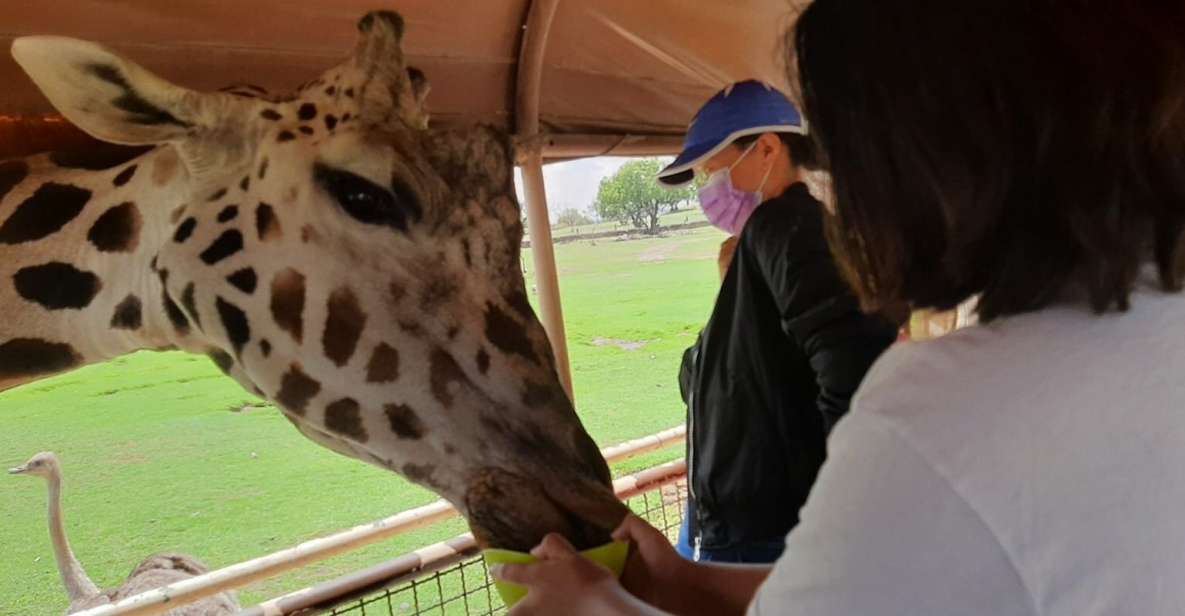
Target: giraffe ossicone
328,250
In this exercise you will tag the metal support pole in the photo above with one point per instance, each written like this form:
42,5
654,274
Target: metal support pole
530,75
546,274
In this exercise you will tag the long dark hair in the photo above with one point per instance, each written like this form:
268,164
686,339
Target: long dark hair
1017,149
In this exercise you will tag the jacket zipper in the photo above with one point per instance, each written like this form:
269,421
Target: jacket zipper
691,422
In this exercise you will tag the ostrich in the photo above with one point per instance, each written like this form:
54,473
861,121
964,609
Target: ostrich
154,572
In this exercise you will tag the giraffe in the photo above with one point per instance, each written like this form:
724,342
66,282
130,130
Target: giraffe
327,250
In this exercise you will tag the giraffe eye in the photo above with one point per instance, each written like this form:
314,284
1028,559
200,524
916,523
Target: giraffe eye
366,201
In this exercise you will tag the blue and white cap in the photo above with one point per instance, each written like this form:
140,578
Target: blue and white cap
744,108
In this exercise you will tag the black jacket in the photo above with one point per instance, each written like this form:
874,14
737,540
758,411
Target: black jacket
774,369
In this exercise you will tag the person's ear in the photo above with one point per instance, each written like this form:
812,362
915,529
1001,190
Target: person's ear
769,145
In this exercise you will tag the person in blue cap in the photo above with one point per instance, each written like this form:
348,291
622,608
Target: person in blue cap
786,345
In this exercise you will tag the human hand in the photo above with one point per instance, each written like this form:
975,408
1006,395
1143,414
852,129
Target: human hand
564,582
724,259
654,572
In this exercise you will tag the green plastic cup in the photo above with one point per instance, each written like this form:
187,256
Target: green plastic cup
611,556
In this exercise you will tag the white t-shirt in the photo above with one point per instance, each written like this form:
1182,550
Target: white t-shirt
1035,465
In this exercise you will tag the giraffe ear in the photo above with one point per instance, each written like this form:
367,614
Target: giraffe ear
109,97
118,101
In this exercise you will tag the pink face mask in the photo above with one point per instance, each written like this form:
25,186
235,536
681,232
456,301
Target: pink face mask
726,207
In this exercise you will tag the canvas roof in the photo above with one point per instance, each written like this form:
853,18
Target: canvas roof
611,67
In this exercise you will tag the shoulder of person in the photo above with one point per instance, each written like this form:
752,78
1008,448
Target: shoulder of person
949,389
790,223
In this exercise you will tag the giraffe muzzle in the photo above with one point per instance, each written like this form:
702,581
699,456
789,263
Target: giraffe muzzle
513,511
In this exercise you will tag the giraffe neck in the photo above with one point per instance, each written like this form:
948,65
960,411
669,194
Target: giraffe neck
77,284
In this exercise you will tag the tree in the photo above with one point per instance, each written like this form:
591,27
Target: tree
634,196
572,217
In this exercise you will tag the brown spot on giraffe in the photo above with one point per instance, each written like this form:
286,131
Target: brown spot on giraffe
536,395
483,361
44,213
244,280
128,314
176,317
57,286
271,114
519,301
419,473
234,321
227,244
285,135
287,304
507,334
228,213
28,357
345,418
223,360
266,223
306,112
265,348
411,328
296,389
343,326
176,214
404,421
443,374
12,172
262,168
124,176
184,230
216,195
397,291
383,366
436,292
117,229
189,303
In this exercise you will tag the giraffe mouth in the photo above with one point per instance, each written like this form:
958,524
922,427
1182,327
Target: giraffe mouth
514,512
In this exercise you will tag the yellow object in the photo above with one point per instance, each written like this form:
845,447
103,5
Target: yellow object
611,556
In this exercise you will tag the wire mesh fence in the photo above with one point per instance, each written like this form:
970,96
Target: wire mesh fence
465,588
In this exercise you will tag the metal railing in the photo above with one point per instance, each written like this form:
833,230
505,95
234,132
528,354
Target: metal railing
161,600
459,583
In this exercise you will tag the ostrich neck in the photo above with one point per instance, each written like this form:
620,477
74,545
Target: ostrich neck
74,578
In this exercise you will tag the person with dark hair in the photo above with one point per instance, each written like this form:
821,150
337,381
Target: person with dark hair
1033,154
786,345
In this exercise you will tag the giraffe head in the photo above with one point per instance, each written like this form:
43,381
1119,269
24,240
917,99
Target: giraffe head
332,253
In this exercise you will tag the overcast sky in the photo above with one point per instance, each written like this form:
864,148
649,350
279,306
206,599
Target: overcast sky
573,184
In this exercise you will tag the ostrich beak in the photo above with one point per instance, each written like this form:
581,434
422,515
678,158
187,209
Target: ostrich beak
19,470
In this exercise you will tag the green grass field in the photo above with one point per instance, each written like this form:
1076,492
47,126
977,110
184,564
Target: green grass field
155,459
